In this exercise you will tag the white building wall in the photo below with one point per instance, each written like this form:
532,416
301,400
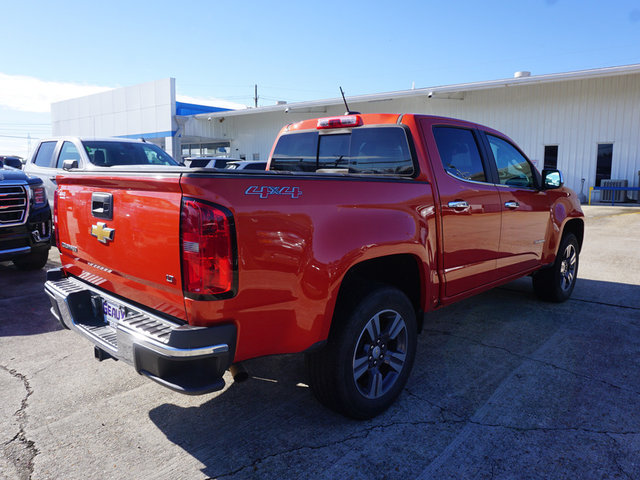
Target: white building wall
141,110
576,115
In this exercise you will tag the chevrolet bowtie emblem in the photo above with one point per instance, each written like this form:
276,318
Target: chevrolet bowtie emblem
102,232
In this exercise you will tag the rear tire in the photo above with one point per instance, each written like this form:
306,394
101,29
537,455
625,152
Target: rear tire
32,261
368,356
555,284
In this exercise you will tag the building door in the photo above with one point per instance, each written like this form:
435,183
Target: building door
551,156
603,162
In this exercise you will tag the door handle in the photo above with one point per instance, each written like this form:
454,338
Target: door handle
512,205
459,205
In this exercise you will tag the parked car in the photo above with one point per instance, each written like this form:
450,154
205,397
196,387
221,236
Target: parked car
361,226
56,155
11,161
208,162
246,165
25,220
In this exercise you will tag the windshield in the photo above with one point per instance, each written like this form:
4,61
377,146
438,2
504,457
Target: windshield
108,153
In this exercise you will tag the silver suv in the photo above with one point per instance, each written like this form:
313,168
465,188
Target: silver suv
56,155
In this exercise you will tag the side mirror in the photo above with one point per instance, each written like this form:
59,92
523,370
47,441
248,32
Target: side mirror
552,179
69,164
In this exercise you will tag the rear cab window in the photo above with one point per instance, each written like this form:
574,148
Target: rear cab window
381,150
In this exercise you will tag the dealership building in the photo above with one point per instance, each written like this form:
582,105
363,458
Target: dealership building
587,123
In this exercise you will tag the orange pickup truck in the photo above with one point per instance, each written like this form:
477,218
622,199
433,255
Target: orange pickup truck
361,225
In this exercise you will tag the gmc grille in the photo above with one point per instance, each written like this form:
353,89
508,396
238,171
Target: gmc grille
13,205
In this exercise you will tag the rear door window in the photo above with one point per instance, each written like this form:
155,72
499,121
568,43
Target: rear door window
44,157
459,153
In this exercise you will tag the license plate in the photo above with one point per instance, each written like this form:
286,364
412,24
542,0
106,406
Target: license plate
113,313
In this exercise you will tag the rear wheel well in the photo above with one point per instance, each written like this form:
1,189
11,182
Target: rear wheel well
400,271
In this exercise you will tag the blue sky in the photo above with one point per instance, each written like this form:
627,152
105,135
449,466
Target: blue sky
293,51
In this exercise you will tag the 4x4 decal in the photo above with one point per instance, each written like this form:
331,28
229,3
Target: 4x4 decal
265,191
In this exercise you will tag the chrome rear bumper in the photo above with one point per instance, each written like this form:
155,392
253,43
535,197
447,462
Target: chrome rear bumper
187,359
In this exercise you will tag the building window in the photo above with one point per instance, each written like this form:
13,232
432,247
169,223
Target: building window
551,156
603,164
219,149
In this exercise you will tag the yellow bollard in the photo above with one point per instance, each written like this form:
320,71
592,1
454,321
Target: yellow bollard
590,190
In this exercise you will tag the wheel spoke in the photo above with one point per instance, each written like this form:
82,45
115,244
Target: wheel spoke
396,327
360,366
395,360
375,385
373,327
569,277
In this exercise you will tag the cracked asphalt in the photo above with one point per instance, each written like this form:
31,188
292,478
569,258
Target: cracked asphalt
504,386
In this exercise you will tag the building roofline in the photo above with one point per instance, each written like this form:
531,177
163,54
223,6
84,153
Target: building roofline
308,106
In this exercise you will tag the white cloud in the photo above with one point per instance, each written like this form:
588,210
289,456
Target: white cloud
29,94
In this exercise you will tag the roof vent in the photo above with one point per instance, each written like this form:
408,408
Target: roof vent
522,74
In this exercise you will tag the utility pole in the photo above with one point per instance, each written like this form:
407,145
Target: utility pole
255,98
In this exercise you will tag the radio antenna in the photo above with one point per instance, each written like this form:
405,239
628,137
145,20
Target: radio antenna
348,112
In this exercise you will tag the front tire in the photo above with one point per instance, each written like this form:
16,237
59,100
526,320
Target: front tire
369,354
555,284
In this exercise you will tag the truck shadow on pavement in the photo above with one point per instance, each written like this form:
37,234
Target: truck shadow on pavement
260,419
468,352
24,307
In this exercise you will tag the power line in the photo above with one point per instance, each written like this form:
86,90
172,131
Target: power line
18,124
23,138
24,130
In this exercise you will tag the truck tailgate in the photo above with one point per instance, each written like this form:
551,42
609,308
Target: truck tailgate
131,250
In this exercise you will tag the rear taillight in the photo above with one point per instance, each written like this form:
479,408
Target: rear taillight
207,246
345,121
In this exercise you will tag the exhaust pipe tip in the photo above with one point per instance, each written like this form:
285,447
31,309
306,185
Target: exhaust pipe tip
239,372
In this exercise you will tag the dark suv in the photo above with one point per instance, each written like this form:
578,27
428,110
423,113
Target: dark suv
25,220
